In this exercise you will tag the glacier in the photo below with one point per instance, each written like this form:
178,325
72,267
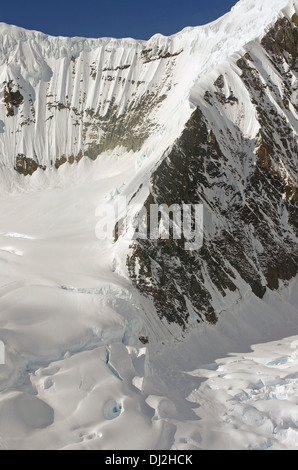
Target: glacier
89,352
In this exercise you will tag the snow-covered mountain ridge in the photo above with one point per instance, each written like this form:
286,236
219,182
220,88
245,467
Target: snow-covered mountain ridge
237,155
63,98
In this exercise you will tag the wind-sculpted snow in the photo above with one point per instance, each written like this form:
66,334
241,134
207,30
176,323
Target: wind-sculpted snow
63,98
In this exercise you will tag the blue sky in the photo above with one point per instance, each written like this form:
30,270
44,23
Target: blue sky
97,18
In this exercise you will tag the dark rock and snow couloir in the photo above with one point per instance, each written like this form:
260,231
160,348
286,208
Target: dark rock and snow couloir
91,328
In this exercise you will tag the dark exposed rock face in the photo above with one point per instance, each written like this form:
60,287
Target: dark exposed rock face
283,37
250,221
26,166
248,240
12,98
72,159
129,129
149,56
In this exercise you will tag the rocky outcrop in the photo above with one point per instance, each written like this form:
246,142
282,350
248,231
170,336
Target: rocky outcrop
26,166
12,98
250,228
283,37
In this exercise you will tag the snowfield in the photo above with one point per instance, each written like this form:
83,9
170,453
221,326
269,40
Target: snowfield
76,374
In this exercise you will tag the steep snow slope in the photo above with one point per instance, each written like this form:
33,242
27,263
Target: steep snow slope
237,155
77,370
62,98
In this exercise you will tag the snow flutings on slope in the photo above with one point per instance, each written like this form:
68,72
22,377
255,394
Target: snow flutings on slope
69,87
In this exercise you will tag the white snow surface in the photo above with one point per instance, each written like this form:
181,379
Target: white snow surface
75,374
63,79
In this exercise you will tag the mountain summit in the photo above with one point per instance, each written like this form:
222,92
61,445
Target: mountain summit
65,98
